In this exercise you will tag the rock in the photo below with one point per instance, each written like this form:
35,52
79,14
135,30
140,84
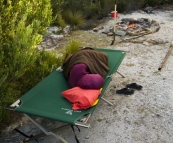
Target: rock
95,29
110,33
154,27
120,32
67,29
148,9
98,28
50,41
53,30
87,137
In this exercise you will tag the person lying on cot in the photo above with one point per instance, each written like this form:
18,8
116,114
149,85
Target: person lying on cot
86,68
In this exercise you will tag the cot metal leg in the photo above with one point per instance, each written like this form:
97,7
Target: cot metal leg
46,131
85,119
82,124
107,101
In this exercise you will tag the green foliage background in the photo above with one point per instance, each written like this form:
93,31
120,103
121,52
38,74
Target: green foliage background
22,23
66,11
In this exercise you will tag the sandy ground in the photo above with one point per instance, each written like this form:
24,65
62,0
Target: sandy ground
143,117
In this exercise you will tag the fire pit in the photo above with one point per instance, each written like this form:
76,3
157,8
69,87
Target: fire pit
136,27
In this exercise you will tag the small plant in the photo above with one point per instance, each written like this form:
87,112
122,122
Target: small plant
127,6
75,19
72,47
91,10
59,21
46,62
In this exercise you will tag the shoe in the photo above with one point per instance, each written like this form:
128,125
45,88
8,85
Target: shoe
134,86
126,91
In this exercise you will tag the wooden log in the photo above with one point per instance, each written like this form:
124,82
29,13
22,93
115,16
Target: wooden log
166,57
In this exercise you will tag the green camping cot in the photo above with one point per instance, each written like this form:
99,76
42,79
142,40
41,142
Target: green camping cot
46,101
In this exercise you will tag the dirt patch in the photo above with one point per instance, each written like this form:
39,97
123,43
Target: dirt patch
88,38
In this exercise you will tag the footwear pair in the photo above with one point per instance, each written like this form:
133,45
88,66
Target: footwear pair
134,86
129,89
126,91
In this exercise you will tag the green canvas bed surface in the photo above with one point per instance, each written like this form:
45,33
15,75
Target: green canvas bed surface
45,99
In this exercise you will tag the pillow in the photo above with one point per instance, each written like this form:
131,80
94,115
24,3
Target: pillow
91,81
81,98
76,73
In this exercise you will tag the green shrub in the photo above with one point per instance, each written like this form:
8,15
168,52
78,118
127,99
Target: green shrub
46,62
57,10
73,5
59,21
72,47
21,24
57,6
129,5
75,19
91,10
107,6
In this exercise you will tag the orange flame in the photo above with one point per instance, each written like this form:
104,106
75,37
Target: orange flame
131,25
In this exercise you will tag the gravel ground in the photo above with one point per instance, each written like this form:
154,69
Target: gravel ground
143,117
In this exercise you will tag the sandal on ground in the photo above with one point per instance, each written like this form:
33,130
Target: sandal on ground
134,86
126,91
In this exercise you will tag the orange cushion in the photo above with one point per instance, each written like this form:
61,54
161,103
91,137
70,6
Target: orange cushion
81,98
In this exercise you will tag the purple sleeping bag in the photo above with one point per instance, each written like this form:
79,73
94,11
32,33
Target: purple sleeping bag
81,76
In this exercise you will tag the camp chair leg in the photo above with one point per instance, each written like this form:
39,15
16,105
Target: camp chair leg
107,101
46,131
121,74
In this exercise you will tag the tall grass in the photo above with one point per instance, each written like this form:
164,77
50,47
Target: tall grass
74,19
72,47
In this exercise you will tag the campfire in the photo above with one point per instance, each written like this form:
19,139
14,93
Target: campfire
132,25
137,27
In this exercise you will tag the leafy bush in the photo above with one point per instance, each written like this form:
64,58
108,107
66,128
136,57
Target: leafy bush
91,10
75,19
107,6
129,5
45,63
57,16
21,24
59,21
72,47
57,6
73,5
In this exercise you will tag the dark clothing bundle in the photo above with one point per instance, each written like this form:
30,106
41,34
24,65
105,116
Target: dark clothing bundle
96,61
